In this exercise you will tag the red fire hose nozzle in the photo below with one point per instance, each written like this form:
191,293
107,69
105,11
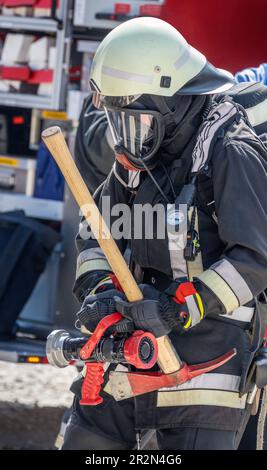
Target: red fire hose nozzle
139,350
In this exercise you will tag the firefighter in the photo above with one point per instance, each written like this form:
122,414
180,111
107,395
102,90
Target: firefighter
178,140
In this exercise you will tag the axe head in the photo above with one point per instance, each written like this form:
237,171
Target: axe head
124,385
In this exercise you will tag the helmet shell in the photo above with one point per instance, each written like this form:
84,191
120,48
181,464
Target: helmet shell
148,56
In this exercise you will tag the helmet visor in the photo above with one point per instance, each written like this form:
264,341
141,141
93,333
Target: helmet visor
100,101
137,131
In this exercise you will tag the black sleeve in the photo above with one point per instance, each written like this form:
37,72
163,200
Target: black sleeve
240,184
239,173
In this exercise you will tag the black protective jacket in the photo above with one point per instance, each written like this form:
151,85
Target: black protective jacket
232,211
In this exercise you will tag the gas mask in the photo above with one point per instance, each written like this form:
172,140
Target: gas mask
139,125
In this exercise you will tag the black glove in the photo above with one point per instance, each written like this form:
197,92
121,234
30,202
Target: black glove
157,313
161,312
98,306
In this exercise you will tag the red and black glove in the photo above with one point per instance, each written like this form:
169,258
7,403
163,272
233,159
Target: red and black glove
161,312
191,305
158,313
99,303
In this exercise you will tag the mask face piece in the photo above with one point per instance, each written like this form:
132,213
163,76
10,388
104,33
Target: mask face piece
137,134
140,125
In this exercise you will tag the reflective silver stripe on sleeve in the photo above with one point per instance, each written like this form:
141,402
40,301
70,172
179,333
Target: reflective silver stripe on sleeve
210,381
129,76
220,288
193,310
90,254
93,265
235,281
243,314
92,259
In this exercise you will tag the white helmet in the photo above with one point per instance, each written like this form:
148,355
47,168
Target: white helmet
147,59
149,56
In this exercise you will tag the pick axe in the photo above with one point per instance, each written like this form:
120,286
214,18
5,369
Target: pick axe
168,360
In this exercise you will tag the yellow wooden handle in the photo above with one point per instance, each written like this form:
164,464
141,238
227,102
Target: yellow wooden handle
56,144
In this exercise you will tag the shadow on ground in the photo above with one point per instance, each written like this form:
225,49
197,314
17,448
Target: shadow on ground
25,427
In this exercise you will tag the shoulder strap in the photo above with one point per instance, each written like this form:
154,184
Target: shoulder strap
195,268
220,116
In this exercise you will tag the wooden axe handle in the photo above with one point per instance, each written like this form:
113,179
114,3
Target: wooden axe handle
53,138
